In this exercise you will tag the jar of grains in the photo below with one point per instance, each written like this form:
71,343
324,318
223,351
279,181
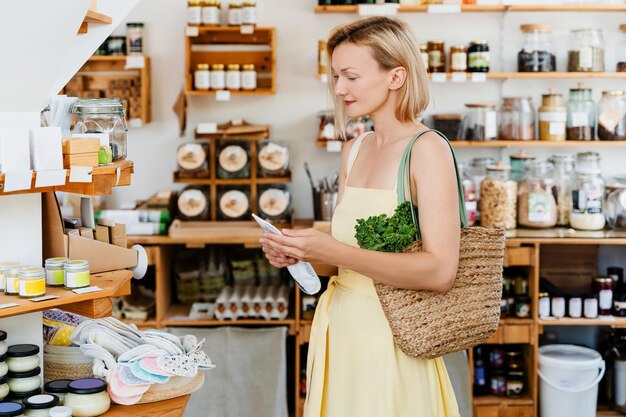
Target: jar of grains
498,198
536,203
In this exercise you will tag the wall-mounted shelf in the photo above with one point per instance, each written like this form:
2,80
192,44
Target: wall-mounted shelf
614,322
539,75
222,181
93,16
522,143
167,408
480,9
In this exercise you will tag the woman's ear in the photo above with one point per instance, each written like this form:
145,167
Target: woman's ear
398,77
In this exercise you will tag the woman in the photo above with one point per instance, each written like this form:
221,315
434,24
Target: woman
354,368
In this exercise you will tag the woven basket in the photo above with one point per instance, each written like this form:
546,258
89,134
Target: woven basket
177,386
428,324
65,362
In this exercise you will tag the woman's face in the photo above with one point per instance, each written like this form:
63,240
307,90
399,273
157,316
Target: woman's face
359,80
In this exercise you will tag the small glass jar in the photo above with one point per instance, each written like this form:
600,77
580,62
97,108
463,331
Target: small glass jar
234,203
3,267
235,14
537,54
4,387
211,13
612,115
558,307
3,346
449,124
103,115
55,273
274,203
77,274
273,159
478,57
436,56
552,117
621,50
27,381
587,211
458,58
193,157
218,77
424,55
248,16
60,411
616,206
522,307
202,77
193,203
233,160
536,203
515,382
581,114
11,409
563,180
134,38
498,382
57,387
469,194
590,307
233,77
32,282
478,172
498,198
12,279
518,164
480,122
602,287
40,405
575,306
194,13
23,358
517,119
88,397
544,305
248,77
586,51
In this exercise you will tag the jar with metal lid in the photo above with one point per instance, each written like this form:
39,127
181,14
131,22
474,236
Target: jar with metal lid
88,397
563,181
11,409
621,50
12,280
587,193
218,77
274,203
211,13
424,55
202,77
469,194
612,115
458,58
249,13
32,282
103,115
537,53
194,13
193,158
60,411
193,203
586,51
581,114
273,159
536,203
248,77
616,204
3,267
23,357
480,122
26,381
552,117
55,274
233,203
233,160
590,306
602,287
40,405
233,77
57,387
235,14
517,119
436,56
77,274
544,305
478,57
498,198
575,306
518,163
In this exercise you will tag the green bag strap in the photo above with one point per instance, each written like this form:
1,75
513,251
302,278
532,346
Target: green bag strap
404,180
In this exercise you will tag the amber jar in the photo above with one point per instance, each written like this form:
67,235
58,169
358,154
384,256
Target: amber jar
603,288
436,56
458,58
552,117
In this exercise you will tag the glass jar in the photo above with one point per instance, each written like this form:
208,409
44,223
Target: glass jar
233,203
612,115
563,173
103,115
4,387
218,77
424,55
248,77
517,119
575,306
586,51
40,405
55,274
449,124
537,54
498,382
233,77
581,114
235,14
273,159
518,163
211,13
515,382
522,307
193,204
458,58
436,56
498,198
590,307
326,129
616,206
134,38
558,307
88,397
587,193
469,194
552,117
76,274
480,122
27,381
621,50
3,267
602,288
478,172
32,282
233,160
202,77
194,13
478,57
274,203
57,387
12,280
249,13
544,305
193,157
23,357
11,409
536,203
60,411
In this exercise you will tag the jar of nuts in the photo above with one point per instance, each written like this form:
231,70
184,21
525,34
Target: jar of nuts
535,200
563,176
498,198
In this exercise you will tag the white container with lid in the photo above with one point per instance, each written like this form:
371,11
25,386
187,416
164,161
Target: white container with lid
4,388
11,409
23,358
32,282
12,280
3,267
87,397
77,274
40,405
57,387
61,411
22,382
55,274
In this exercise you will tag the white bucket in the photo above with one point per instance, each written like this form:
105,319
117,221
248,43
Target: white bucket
569,380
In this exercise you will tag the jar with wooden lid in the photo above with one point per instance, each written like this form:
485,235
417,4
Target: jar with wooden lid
436,56
537,54
274,203
218,77
478,57
273,159
211,13
535,199
235,14
581,114
233,77
233,159
517,119
480,122
552,117
249,13
193,204
518,164
458,58
563,180
233,203
248,77
587,212
202,77
498,198
192,158
612,115
194,13
586,51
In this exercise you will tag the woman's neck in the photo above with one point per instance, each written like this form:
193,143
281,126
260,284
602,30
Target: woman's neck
388,129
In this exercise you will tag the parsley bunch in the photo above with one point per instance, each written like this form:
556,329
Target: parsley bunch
387,234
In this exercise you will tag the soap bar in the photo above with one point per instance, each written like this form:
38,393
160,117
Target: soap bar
80,159
86,232
102,234
118,235
77,145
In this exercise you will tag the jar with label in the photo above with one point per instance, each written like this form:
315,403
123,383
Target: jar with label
193,204
478,57
32,282
249,13
515,381
517,119
498,382
233,77
469,194
575,306
193,158
273,159
563,180
40,405
274,203
235,14
424,55
621,50
558,307
233,160
586,51
202,77
544,305
498,198
55,275
458,58
211,13
552,117
536,203
218,77
602,287
194,13
522,307
612,115
12,280
581,114
449,124
248,77
537,54
616,205
436,56
480,122
587,211
234,203
103,115
134,38
518,164
3,267
77,274
590,307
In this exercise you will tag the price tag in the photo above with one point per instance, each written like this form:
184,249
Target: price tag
135,61
444,8
192,31
15,181
81,174
459,77
334,146
8,305
439,77
44,298
135,122
207,127
222,95
50,178
246,29
87,290
236,122
388,9
479,77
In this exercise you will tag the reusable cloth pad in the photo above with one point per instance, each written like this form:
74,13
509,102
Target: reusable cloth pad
150,365
140,352
139,372
129,378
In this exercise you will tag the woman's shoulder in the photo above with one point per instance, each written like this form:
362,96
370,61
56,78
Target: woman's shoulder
431,147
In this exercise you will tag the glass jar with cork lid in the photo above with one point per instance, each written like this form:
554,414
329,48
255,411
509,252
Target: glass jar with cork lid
563,176
586,51
587,211
621,50
552,117
537,54
612,115
536,203
498,198
581,114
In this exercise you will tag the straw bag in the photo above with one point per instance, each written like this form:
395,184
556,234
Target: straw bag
428,324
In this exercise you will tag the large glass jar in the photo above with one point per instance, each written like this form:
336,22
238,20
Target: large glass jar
233,203
480,122
273,159
616,205
537,54
274,203
518,164
233,160
621,50
586,51
517,119
535,199
103,115
469,194
478,172
587,193
498,198
612,115
193,204
563,175
581,114
552,117
193,159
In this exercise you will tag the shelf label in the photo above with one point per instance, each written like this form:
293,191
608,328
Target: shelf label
439,77
15,181
192,31
81,174
135,61
388,9
334,146
50,178
87,290
459,77
118,173
222,95
246,29
479,77
236,122
207,128
7,305
444,8
43,298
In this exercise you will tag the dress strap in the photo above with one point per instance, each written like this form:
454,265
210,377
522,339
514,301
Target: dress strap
354,151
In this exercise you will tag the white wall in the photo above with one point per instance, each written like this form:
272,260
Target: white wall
292,111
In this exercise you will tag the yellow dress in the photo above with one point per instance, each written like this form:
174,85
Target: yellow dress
354,367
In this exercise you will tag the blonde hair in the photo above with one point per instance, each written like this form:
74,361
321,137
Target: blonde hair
392,45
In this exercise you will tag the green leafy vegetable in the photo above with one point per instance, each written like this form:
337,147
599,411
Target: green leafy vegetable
387,234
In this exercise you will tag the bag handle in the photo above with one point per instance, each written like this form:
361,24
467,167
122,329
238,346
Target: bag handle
404,179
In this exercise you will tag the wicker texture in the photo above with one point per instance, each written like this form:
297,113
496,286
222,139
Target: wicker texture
65,362
177,386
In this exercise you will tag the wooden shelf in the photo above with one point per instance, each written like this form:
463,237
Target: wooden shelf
167,408
237,181
104,178
94,305
93,16
566,236
542,75
142,324
604,412
524,143
615,322
257,92
479,9
495,400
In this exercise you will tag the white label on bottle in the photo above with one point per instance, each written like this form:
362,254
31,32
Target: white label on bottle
218,80
248,80
549,116
333,146
605,299
192,31
491,125
210,15
479,77
194,15
234,16
434,59
439,77
585,60
459,77
557,128
246,29
444,8
580,119
544,307
610,118
233,80
249,16
459,61
202,80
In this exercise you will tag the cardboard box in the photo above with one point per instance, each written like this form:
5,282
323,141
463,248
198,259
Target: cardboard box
86,232
81,159
80,145
102,233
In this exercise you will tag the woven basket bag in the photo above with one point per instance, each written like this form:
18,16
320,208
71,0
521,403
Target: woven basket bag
427,324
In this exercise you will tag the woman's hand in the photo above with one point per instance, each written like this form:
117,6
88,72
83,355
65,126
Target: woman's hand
309,245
